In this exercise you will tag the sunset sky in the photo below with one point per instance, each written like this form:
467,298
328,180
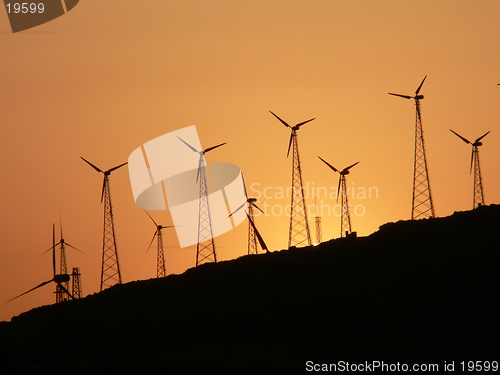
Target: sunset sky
111,75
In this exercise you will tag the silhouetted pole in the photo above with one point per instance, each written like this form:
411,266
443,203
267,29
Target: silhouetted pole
161,270
478,199
252,239
60,294
299,234
76,289
110,269
317,222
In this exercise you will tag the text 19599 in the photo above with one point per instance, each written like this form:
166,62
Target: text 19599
25,7
479,366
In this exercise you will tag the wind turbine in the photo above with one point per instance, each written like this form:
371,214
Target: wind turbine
110,269
252,230
421,204
298,233
60,294
205,248
345,220
59,279
160,255
478,198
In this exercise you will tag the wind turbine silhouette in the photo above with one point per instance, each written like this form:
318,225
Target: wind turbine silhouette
204,252
110,269
298,233
253,233
60,295
160,255
59,279
478,197
421,204
345,220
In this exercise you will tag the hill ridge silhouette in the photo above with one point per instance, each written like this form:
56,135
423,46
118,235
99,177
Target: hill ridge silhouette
413,290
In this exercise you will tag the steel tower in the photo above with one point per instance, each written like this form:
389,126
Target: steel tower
421,206
345,219
298,233
317,222
205,248
478,195
110,268
76,288
60,294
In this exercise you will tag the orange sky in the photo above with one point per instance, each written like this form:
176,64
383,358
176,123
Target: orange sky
110,75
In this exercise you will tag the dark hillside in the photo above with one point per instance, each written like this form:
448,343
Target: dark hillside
413,291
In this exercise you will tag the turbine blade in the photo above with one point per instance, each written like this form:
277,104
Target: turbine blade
303,122
259,237
419,87
61,227
103,187
338,188
32,289
213,147
154,235
65,290
67,244
462,138
289,144
187,144
239,208
49,249
402,96
471,160
331,166
200,165
92,165
349,167
54,249
282,121
115,168
153,220
244,185
481,137
258,208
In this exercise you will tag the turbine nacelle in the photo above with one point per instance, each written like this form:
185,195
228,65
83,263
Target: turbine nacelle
62,278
